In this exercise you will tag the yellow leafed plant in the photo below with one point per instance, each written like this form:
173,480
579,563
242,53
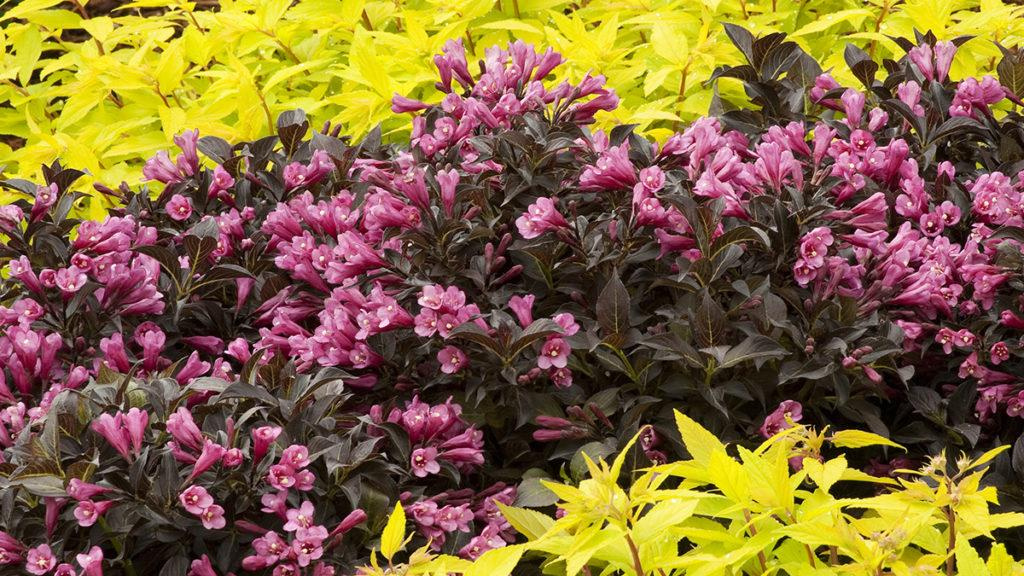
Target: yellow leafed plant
105,91
772,510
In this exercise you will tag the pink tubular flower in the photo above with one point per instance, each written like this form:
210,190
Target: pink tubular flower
40,560
11,551
262,438
124,431
281,477
452,359
999,353
91,562
84,491
88,512
201,567
211,454
195,499
301,517
522,306
424,462
213,517
540,217
295,456
788,410
554,353
179,208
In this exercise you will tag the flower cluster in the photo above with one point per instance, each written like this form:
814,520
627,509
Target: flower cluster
438,434
281,338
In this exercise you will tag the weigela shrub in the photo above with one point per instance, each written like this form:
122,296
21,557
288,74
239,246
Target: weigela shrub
769,510
104,89
445,323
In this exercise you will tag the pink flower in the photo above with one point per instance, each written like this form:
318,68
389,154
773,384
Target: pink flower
452,518
424,462
182,427
65,569
554,353
213,517
301,517
452,359
296,456
999,353
400,104
522,306
262,438
124,431
201,567
84,491
448,181
179,208
40,560
281,477
221,181
233,458
195,499
567,322
10,549
211,454
788,410
540,217
91,562
70,281
561,377
353,519
945,336
88,512
921,56
944,53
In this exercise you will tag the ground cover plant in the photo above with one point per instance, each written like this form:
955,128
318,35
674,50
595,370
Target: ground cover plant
104,85
285,337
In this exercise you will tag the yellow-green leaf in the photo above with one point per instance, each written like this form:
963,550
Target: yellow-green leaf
699,442
860,439
497,562
393,538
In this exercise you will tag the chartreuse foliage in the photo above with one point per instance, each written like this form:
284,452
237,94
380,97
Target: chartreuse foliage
105,91
740,511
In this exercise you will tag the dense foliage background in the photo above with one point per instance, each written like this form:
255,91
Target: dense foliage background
291,338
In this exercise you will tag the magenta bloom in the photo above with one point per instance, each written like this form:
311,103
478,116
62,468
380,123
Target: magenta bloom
10,549
40,560
296,456
452,359
179,208
211,454
88,512
281,476
202,567
788,410
424,462
70,281
213,517
522,306
540,217
262,438
123,431
554,353
999,353
91,562
301,517
195,499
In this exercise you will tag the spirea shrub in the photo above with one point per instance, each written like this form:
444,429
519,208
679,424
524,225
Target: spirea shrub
770,510
247,369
